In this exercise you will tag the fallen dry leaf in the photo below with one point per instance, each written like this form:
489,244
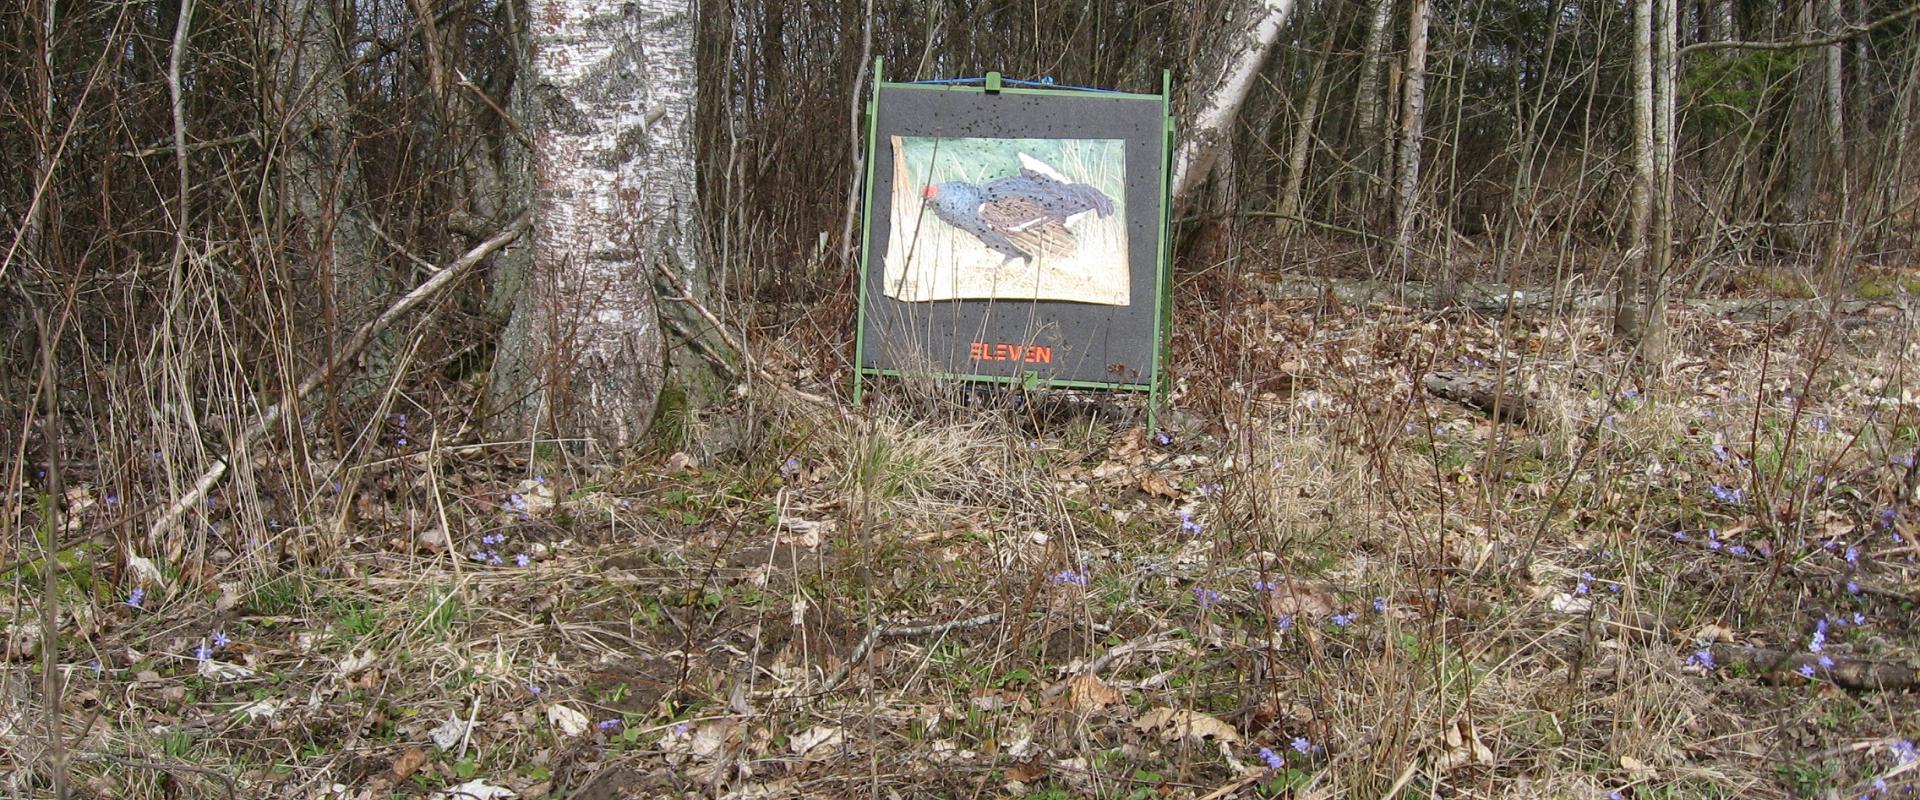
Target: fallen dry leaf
1089,693
1174,724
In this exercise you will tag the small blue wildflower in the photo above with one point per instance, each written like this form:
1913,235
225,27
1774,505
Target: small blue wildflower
1720,453
1887,516
220,640
522,560
1702,658
1163,438
96,666
1273,759
1615,795
1033,445
791,467
113,500
1301,745
203,652
477,556
1820,424
1263,586
1190,525
608,724
535,690
1584,585
493,558
1068,577
1853,554
1680,535
1903,751
680,729
1342,619
1284,622
1805,670
402,441
1380,605
1206,597
1713,544
136,597
1738,549
1826,662
1859,618
1853,587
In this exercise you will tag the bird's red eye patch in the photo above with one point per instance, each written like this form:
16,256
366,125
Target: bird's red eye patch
930,191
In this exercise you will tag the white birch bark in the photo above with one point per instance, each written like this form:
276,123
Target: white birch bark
1626,313
1366,107
1413,111
1660,247
613,195
1257,26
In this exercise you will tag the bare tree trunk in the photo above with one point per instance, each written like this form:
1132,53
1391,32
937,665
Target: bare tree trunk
1255,27
1413,109
1302,144
323,185
1802,137
1366,111
613,195
1653,337
1626,313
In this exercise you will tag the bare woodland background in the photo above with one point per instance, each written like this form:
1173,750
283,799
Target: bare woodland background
200,215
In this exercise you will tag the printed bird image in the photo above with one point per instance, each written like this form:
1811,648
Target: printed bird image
1024,216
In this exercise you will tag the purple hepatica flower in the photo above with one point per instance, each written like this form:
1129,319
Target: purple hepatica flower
1702,658
1805,670
477,556
1713,544
1819,641
1380,605
1163,438
1263,586
1205,597
96,666
1826,662
136,597
1887,516
1273,759
1904,752
1680,535
1853,554
402,441
1859,618
1301,745
680,729
1284,622
535,690
1731,495
1068,577
220,640
1738,549
608,724
1585,584
522,559
1190,525
1033,445
791,468
493,558
1853,588
1342,619
203,652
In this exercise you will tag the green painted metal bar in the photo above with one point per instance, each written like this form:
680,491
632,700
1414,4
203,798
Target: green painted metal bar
866,229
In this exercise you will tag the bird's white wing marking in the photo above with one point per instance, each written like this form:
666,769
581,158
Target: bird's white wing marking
1041,167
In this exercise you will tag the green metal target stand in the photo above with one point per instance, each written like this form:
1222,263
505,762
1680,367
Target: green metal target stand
1041,336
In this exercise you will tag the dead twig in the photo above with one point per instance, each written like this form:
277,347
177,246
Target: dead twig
866,643
346,354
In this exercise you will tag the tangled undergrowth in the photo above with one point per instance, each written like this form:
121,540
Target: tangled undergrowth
1690,577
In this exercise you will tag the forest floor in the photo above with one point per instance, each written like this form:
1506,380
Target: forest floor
1691,577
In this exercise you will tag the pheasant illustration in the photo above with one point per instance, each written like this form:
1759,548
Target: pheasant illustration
1024,216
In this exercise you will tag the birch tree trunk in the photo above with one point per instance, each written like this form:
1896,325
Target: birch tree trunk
322,185
1413,110
613,195
1653,334
1626,312
1252,30
1366,111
